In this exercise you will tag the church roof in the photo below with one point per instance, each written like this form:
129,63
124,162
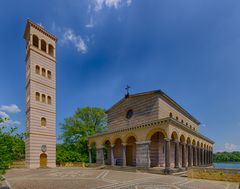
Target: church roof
164,96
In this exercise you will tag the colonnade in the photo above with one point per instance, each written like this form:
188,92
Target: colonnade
157,152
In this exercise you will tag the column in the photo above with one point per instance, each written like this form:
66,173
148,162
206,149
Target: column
90,154
183,154
167,155
100,156
200,156
203,163
47,47
124,154
39,44
143,154
189,155
112,155
205,157
208,157
31,40
194,155
176,154
197,149
196,158
211,157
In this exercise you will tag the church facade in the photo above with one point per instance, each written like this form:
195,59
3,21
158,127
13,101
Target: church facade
151,130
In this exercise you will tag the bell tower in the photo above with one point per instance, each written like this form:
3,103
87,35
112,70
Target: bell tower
40,96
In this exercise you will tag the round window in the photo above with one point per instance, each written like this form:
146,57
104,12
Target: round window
129,114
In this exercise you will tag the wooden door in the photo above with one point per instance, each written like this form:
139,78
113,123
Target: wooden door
129,155
43,160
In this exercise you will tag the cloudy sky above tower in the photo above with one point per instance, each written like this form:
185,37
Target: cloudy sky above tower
189,49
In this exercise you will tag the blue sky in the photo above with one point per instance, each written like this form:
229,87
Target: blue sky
189,49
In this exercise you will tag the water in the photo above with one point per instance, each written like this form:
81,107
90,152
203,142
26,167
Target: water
235,165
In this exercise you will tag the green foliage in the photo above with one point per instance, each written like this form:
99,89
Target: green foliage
69,153
226,157
76,130
12,147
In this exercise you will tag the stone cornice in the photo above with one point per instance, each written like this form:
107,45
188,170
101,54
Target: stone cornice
39,84
39,28
143,125
44,110
143,142
155,123
184,127
42,134
38,51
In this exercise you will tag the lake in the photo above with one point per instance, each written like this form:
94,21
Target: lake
235,165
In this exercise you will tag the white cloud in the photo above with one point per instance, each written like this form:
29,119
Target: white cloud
40,24
13,108
76,40
99,4
90,24
129,2
230,147
3,115
10,123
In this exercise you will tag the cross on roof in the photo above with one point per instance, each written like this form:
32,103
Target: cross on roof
127,90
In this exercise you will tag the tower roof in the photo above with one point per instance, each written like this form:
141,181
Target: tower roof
39,28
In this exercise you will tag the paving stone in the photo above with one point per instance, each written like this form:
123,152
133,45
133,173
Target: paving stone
89,178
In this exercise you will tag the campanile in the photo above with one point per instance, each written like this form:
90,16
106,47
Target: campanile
40,96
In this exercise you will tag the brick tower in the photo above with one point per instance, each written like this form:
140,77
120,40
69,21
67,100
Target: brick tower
40,96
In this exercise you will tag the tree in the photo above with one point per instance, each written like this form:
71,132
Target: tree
12,146
77,128
226,156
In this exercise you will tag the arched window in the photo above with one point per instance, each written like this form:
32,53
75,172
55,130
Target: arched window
176,117
43,122
37,95
170,115
182,121
43,46
187,123
43,98
49,100
43,72
50,50
35,41
49,74
37,69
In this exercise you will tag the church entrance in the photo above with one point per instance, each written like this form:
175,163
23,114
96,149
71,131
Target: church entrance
131,151
43,160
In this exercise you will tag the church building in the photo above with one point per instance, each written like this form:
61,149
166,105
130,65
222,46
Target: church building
151,130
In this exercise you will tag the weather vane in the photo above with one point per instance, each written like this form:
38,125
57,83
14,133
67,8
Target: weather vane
127,91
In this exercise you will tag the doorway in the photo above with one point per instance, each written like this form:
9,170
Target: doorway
43,160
